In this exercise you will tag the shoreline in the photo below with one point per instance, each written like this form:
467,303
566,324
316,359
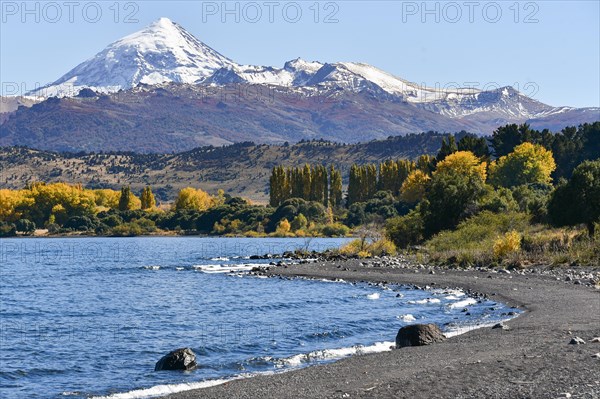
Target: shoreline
532,359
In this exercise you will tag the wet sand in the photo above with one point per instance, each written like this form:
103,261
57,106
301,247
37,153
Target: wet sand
531,360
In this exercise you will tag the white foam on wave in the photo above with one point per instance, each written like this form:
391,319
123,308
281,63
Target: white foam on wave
220,258
152,267
424,301
290,363
453,332
160,390
327,280
332,354
407,318
217,268
373,296
463,303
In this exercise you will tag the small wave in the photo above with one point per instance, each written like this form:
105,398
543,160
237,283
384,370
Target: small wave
424,301
220,259
463,303
226,268
458,330
179,268
373,296
332,354
160,390
327,280
407,318
152,267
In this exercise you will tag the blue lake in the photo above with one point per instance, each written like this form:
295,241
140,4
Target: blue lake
87,317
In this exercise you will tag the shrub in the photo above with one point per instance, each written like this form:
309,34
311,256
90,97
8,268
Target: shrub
80,223
7,229
300,222
382,247
283,229
508,244
355,247
500,200
473,240
25,226
406,230
127,230
362,248
335,230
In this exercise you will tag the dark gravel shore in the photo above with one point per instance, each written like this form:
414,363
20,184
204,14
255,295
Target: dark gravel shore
531,360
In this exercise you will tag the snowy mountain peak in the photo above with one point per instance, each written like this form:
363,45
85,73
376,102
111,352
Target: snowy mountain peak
161,52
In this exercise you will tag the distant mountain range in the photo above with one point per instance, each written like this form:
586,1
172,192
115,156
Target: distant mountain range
161,89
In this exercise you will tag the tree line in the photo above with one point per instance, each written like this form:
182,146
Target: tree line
310,183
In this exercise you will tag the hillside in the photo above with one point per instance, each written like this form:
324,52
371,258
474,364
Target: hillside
239,169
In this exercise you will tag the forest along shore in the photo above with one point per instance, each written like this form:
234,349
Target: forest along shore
534,358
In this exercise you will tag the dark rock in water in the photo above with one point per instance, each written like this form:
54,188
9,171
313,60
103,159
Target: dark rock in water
419,335
577,341
179,359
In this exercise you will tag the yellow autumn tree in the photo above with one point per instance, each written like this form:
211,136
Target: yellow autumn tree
464,163
193,199
413,188
72,198
12,203
528,163
283,228
107,198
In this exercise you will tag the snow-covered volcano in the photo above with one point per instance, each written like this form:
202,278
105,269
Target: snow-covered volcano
164,52
161,52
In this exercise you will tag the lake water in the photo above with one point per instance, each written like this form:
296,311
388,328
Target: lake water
87,317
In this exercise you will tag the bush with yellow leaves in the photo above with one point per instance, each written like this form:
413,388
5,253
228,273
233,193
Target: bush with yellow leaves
508,244
365,249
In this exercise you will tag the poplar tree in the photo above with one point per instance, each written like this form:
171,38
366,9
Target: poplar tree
125,199
335,187
147,198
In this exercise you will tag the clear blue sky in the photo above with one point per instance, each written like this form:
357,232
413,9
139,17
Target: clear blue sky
547,49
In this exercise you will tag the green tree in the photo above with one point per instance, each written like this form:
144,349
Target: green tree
448,147
455,189
578,200
335,187
474,144
354,185
506,138
125,199
280,189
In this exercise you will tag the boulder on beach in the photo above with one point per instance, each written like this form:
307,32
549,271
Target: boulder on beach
179,359
419,335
